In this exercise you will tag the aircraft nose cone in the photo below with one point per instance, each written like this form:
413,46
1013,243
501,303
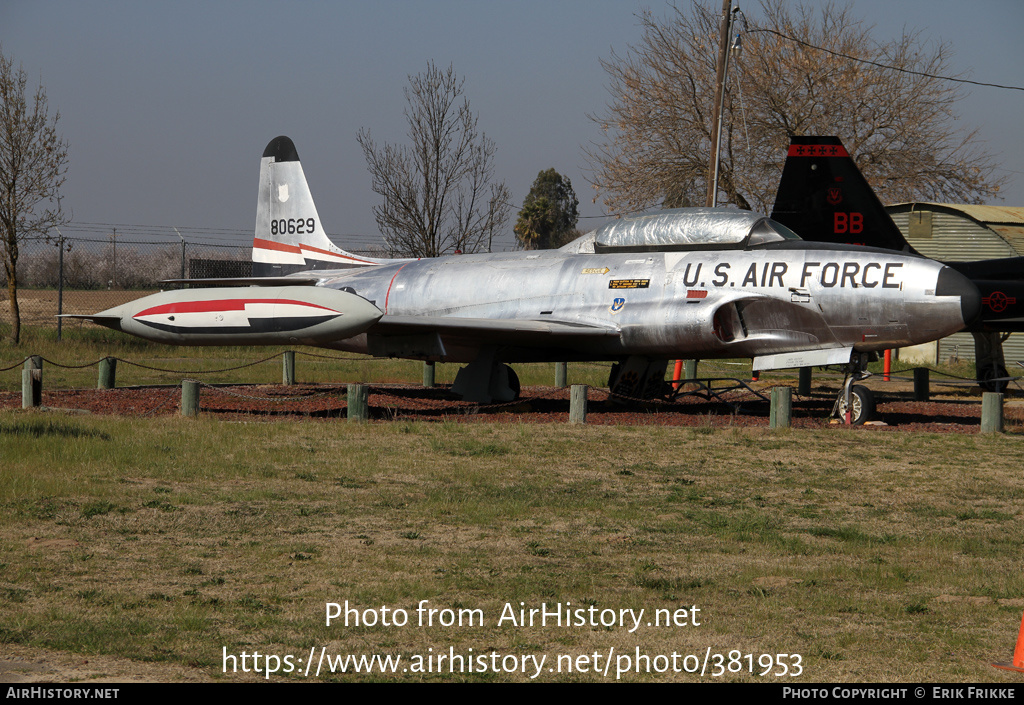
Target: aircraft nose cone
953,283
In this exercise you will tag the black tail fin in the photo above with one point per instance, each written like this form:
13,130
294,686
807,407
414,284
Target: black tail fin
823,197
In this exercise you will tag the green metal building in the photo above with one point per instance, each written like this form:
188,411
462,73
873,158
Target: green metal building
962,233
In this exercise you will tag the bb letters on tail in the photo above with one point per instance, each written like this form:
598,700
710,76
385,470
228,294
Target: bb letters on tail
289,235
823,197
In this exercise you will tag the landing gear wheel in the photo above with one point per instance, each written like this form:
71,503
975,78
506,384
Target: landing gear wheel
862,405
987,378
513,382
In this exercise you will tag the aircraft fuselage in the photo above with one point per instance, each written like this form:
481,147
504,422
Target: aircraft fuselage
705,303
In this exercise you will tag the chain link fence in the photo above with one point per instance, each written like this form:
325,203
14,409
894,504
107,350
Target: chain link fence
87,275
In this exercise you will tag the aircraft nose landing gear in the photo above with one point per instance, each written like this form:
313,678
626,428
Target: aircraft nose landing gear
856,403
859,408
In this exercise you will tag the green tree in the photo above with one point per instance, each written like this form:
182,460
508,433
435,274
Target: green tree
549,214
33,166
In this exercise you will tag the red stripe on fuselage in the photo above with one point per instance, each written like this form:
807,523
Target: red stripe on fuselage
390,284
221,305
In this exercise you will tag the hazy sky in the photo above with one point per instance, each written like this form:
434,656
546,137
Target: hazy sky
168,106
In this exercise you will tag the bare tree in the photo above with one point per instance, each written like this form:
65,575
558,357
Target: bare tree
801,72
33,166
439,193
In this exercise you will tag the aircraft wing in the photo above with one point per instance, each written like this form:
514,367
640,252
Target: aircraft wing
434,336
804,358
492,330
246,281
100,319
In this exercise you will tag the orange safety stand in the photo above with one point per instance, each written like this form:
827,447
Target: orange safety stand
1018,654
677,374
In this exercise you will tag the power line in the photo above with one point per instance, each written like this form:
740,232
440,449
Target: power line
128,226
231,235
886,66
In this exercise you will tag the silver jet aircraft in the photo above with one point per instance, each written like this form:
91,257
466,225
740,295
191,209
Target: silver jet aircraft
690,283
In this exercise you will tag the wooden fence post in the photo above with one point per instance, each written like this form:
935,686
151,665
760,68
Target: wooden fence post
782,407
578,403
561,374
108,373
189,397
921,392
288,368
804,388
358,402
991,412
31,388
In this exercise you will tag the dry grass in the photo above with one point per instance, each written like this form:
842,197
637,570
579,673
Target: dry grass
71,358
877,557
38,307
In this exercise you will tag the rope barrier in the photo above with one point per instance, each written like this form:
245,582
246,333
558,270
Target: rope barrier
194,372
414,398
333,357
171,394
70,367
145,367
305,353
16,364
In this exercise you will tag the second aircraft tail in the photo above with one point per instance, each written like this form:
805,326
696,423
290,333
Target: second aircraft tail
823,197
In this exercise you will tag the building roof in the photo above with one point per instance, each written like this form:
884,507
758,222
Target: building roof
1010,215
1005,221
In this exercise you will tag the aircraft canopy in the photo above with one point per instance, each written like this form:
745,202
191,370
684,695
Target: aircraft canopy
690,228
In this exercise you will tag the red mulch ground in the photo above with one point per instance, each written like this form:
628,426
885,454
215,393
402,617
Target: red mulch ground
957,413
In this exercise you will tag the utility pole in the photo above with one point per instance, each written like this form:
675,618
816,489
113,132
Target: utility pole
182,253
60,282
721,70
113,263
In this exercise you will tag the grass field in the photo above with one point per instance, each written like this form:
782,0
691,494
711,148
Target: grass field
75,360
39,307
874,557
70,368
170,542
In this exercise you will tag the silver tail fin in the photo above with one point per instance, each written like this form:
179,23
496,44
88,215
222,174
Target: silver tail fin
289,234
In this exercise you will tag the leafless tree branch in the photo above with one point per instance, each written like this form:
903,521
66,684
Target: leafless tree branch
901,127
33,167
439,191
